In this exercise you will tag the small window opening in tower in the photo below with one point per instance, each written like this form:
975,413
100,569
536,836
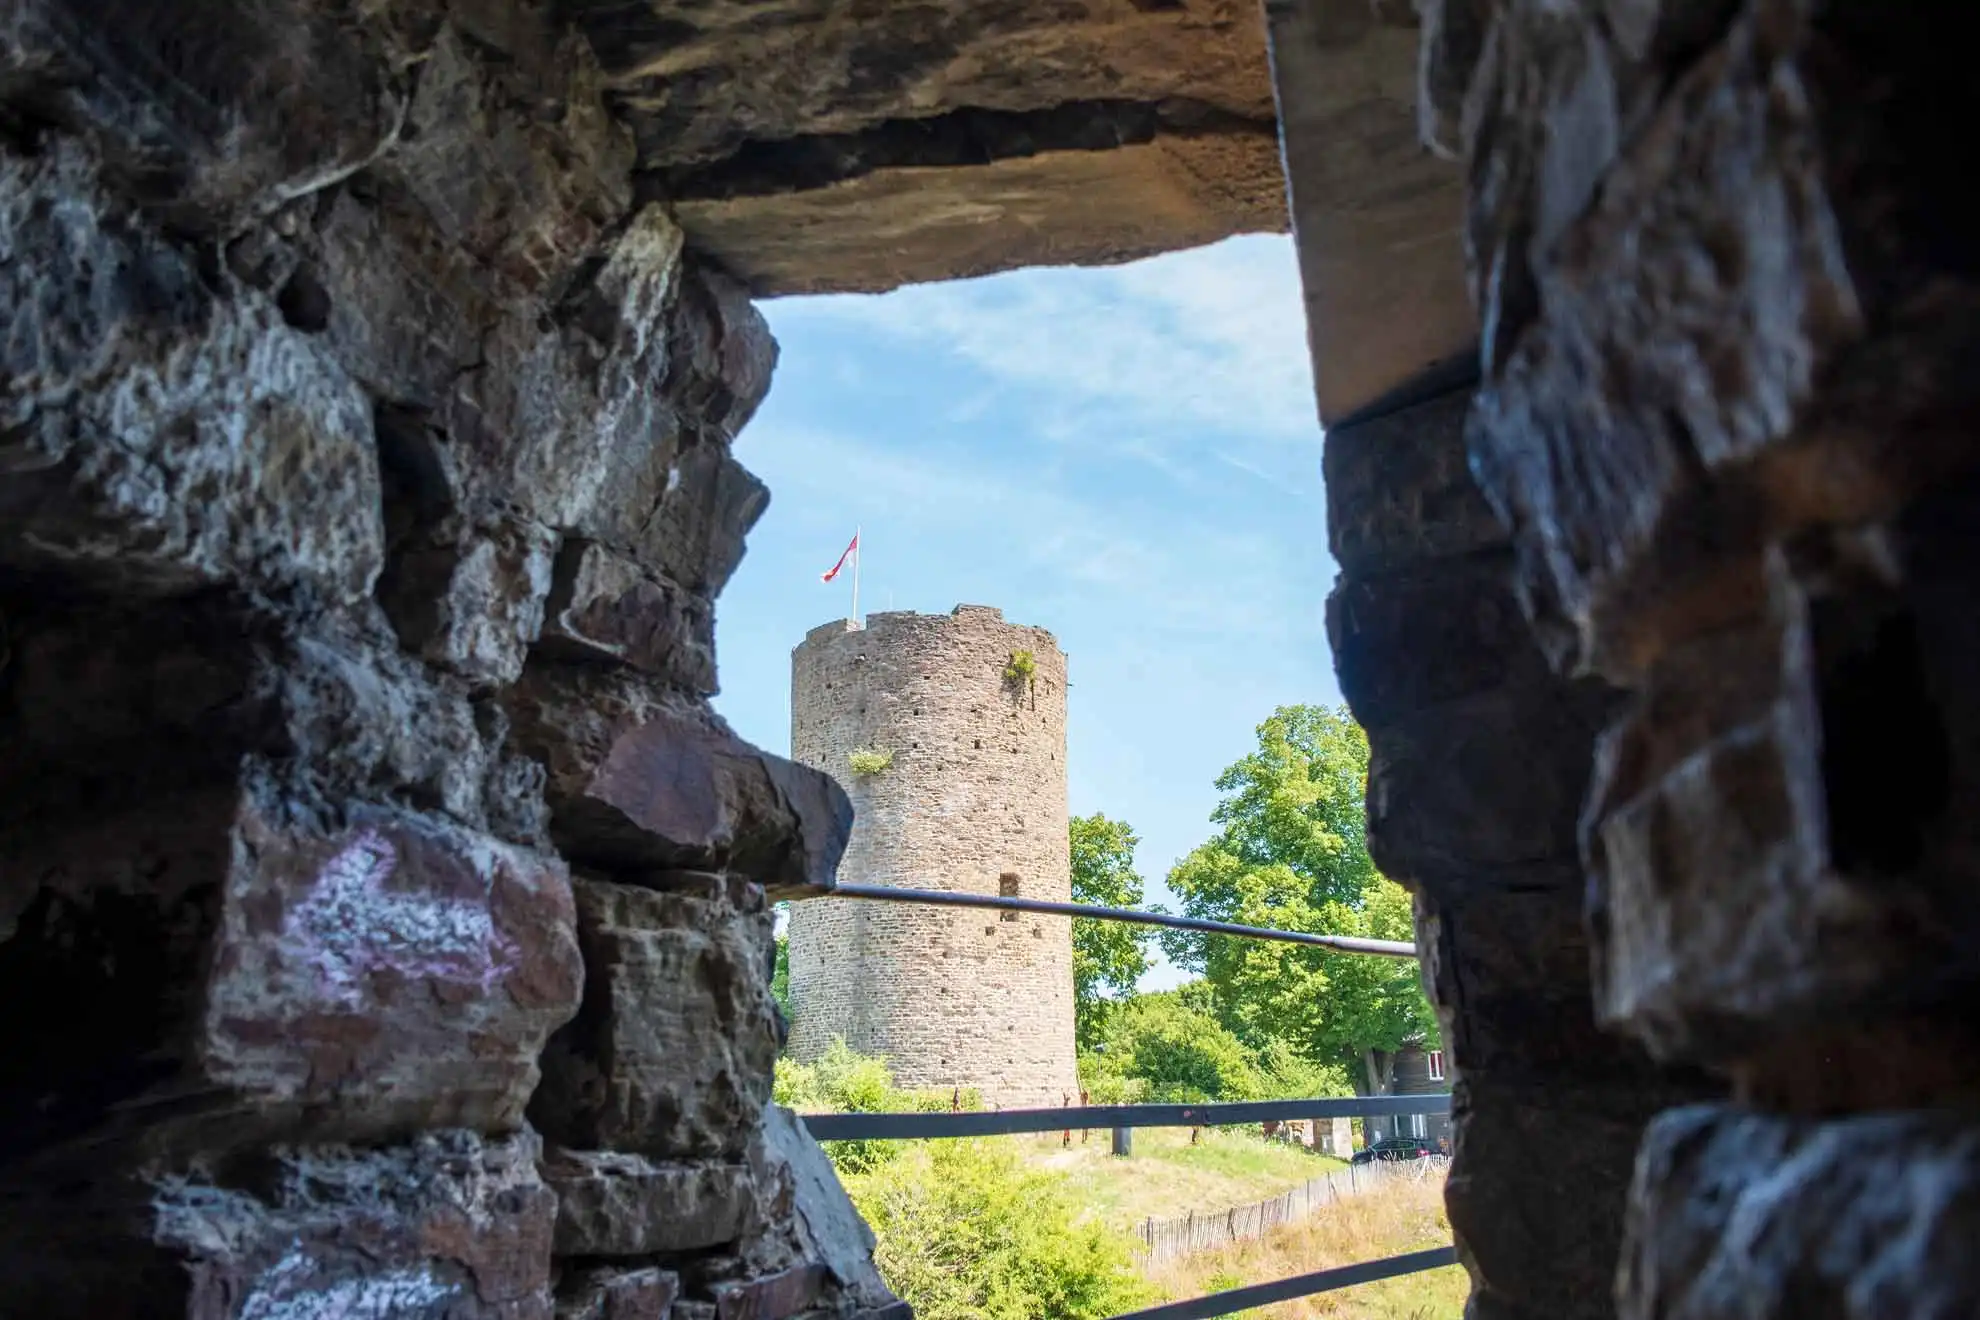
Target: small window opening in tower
1007,887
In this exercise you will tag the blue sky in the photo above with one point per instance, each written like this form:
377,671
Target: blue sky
1127,456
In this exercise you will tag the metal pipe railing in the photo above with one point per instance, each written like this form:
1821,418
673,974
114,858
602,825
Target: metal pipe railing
1006,1122
1234,1300
951,898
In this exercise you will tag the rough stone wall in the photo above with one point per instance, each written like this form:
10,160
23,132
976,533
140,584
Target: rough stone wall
952,997
383,912
1479,760
1727,415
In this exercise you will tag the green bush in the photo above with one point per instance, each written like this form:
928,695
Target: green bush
1022,669
1181,1055
843,1081
1280,1072
1106,1087
1166,1049
967,1232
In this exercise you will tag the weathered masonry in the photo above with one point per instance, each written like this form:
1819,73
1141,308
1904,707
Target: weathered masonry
974,799
382,909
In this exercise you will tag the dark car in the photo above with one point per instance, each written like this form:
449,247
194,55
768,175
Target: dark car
1395,1148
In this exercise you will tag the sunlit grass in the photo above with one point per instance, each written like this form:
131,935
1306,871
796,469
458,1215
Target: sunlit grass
1167,1176
1403,1216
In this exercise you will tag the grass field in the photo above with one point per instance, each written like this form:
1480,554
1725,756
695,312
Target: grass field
1167,1176
1405,1216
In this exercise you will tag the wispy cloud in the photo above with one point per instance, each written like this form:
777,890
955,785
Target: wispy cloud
1163,350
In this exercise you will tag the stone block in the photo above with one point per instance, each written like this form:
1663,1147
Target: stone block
106,704
407,314
1779,836
160,435
1479,790
604,606
609,1294
1449,629
574,426
233,970
972,192
1508,969
614,426
515,160
472,604
672,1052
1400,490
1709,882
840,72
721,353
1754,1216
778,1296
209,112
604,415
828,1230
1539,1241
615,1204
450,1224
643,778
694,532
1688,360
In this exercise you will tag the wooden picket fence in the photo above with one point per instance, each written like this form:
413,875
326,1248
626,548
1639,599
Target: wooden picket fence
1165,1239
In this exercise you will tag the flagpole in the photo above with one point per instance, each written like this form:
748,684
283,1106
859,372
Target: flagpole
859,553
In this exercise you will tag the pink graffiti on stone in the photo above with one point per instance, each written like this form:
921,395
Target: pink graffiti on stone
351,926
288,1291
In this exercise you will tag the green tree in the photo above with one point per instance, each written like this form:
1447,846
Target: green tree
1109,957
780,975
1292,853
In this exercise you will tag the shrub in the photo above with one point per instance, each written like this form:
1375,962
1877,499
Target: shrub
1022,669
1280,1072
844,1081
1181,1055
966,1232
1106,1087
870,761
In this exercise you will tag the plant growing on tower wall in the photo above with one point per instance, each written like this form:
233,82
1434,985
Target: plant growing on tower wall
870,761
1022,670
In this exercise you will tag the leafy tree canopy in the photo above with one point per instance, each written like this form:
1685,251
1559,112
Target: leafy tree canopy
1292,853
1109,957
780,975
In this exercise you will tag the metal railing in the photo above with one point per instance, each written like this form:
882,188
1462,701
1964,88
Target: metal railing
1006,903
1008,1122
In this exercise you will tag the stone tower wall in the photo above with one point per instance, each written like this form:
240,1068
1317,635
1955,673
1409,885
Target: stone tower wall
977,791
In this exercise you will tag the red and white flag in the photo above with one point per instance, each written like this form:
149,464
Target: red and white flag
852,552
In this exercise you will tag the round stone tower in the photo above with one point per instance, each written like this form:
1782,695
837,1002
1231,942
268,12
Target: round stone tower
974,800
